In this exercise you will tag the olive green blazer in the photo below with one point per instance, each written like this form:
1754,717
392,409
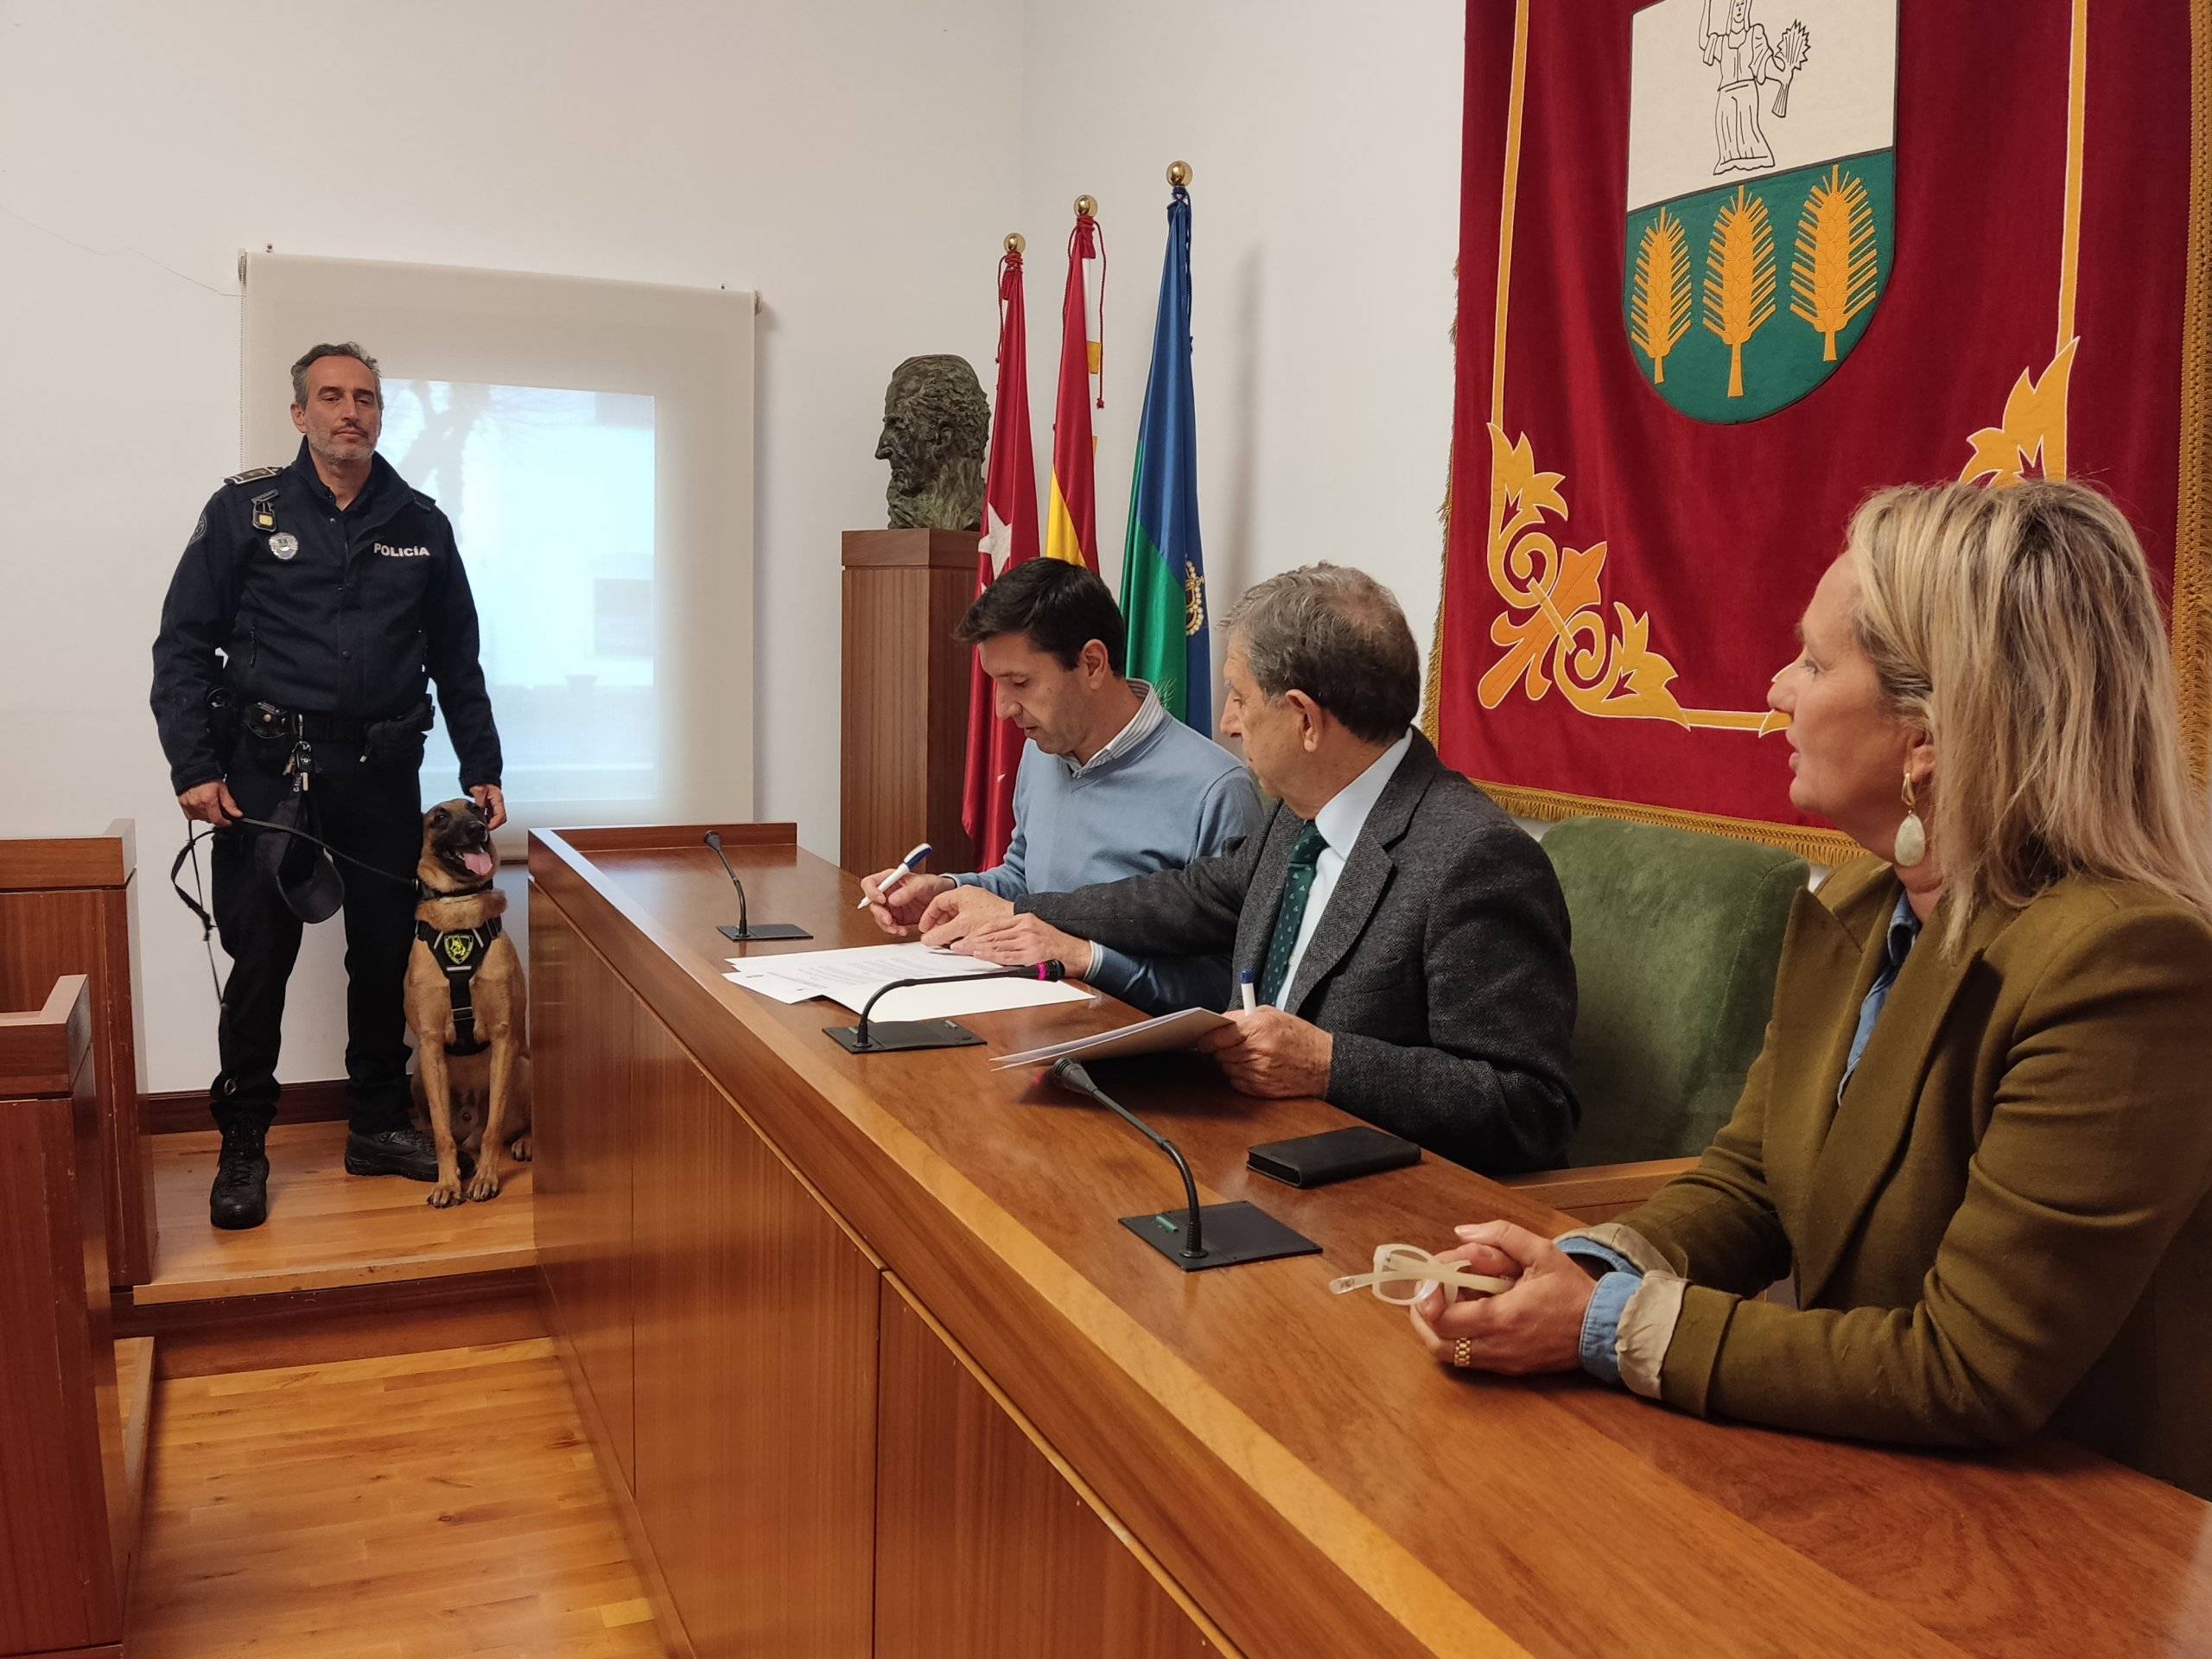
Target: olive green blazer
2005,1223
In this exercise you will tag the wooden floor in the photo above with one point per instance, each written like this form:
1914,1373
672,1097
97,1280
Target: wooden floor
434,1506
325,1228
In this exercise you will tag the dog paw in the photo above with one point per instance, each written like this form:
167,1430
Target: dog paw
520,1147
444,1195
485,1185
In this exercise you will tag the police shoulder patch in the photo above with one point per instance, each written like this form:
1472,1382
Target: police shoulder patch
253,474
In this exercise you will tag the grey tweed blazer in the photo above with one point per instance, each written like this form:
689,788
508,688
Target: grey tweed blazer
1441,966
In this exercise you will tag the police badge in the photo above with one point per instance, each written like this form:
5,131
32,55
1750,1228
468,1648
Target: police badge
284,544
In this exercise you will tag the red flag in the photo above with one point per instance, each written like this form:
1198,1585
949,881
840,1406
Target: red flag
1071,525
1009,538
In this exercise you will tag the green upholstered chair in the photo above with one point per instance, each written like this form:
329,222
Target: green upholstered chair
1676,936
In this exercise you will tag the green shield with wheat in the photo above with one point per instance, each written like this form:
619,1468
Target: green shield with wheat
1762,197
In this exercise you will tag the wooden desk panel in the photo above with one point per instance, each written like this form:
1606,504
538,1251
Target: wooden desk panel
756,1323
982,1547
1312,1480
586,1039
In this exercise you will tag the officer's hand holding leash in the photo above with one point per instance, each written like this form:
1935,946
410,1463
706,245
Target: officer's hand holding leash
211,803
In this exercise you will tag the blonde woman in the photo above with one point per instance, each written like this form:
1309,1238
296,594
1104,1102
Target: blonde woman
1978,1139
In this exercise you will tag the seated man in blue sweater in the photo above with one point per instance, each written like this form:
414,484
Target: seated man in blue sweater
1109,785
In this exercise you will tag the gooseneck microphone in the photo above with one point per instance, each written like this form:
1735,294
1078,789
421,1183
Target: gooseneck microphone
1070,1074
744,933
898,1036
1203,1235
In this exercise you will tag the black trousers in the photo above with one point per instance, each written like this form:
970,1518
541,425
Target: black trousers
375,813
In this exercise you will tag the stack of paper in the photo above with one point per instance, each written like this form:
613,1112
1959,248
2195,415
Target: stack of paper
1163,1035
852,976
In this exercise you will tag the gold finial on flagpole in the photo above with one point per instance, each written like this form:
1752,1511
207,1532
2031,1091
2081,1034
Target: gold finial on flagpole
1178,173
1016,241
1085,207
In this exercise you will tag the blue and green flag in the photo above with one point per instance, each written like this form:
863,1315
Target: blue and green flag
1163,574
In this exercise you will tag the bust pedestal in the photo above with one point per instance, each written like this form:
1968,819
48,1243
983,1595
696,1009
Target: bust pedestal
905,729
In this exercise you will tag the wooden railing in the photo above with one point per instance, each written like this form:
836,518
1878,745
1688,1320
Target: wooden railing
65,1508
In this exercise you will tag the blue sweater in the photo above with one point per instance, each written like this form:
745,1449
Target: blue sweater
1176,796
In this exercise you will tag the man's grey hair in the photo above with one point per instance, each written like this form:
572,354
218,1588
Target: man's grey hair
328,349
1338,635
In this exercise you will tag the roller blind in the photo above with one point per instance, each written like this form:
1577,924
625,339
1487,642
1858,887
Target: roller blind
592,442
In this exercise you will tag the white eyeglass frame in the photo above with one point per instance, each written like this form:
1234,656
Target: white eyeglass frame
1408,1264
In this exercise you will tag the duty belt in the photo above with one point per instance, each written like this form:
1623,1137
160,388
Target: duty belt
315,728
458,955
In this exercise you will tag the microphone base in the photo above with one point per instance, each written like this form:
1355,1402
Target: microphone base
758,931
1234,1233
900,1036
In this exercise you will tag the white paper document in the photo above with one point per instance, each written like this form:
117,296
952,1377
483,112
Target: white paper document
781,990
1164,1035
854,975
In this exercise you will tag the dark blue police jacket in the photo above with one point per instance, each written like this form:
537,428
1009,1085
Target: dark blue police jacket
319,611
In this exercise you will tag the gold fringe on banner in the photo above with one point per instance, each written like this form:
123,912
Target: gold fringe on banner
2192,596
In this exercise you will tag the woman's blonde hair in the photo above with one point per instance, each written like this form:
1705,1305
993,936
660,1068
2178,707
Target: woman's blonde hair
2018,628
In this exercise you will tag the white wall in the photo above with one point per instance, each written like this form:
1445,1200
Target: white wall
832,154
1323,141
855,161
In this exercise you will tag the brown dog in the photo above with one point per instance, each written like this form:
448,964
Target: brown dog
467,1007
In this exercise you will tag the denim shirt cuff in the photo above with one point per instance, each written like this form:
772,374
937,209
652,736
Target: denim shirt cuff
1575,1244
1601,1325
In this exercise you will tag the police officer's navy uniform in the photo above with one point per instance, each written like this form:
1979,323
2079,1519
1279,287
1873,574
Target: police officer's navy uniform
337,617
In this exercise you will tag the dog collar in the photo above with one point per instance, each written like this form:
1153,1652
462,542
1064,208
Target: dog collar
423,893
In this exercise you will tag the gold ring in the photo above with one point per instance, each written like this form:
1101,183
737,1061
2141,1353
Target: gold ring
1463,1353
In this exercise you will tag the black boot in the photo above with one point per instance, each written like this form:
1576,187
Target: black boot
406,1152
240,1197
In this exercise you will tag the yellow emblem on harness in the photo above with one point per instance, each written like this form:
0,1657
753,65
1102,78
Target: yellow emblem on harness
461,946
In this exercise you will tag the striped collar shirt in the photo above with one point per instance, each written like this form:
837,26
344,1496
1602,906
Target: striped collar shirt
1150,714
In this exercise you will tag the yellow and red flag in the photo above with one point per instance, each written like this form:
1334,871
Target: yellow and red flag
1071,520
1009,538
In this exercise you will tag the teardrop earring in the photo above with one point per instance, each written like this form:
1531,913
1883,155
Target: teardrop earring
1912,834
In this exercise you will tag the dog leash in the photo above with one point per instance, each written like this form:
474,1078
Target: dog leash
198,907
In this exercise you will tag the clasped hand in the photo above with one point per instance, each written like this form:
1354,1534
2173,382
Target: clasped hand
1534,1327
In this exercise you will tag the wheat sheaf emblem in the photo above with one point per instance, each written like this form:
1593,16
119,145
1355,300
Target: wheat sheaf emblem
1740,278
1835,274
1659,311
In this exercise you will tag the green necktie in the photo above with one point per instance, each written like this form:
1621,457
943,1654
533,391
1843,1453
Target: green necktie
1297,887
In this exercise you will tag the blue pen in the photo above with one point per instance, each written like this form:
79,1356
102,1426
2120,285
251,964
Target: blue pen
1244,985
906,868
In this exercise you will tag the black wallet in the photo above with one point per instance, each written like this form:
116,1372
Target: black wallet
1316,1159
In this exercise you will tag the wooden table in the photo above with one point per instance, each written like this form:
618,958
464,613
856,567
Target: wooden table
873,1367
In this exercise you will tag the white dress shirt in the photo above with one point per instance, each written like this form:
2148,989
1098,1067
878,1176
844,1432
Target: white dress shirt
1340,823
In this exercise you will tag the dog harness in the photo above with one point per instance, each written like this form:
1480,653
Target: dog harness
458,955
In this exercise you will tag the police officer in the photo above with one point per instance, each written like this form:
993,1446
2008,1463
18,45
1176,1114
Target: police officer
310,604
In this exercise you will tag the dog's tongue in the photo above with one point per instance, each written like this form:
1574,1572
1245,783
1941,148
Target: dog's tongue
478,860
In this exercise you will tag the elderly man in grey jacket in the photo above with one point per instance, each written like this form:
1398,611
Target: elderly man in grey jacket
1407,939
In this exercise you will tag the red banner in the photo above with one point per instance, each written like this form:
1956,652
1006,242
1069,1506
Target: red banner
1009,538
1726,268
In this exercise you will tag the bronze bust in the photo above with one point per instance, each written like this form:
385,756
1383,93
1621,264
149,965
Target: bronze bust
936,424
